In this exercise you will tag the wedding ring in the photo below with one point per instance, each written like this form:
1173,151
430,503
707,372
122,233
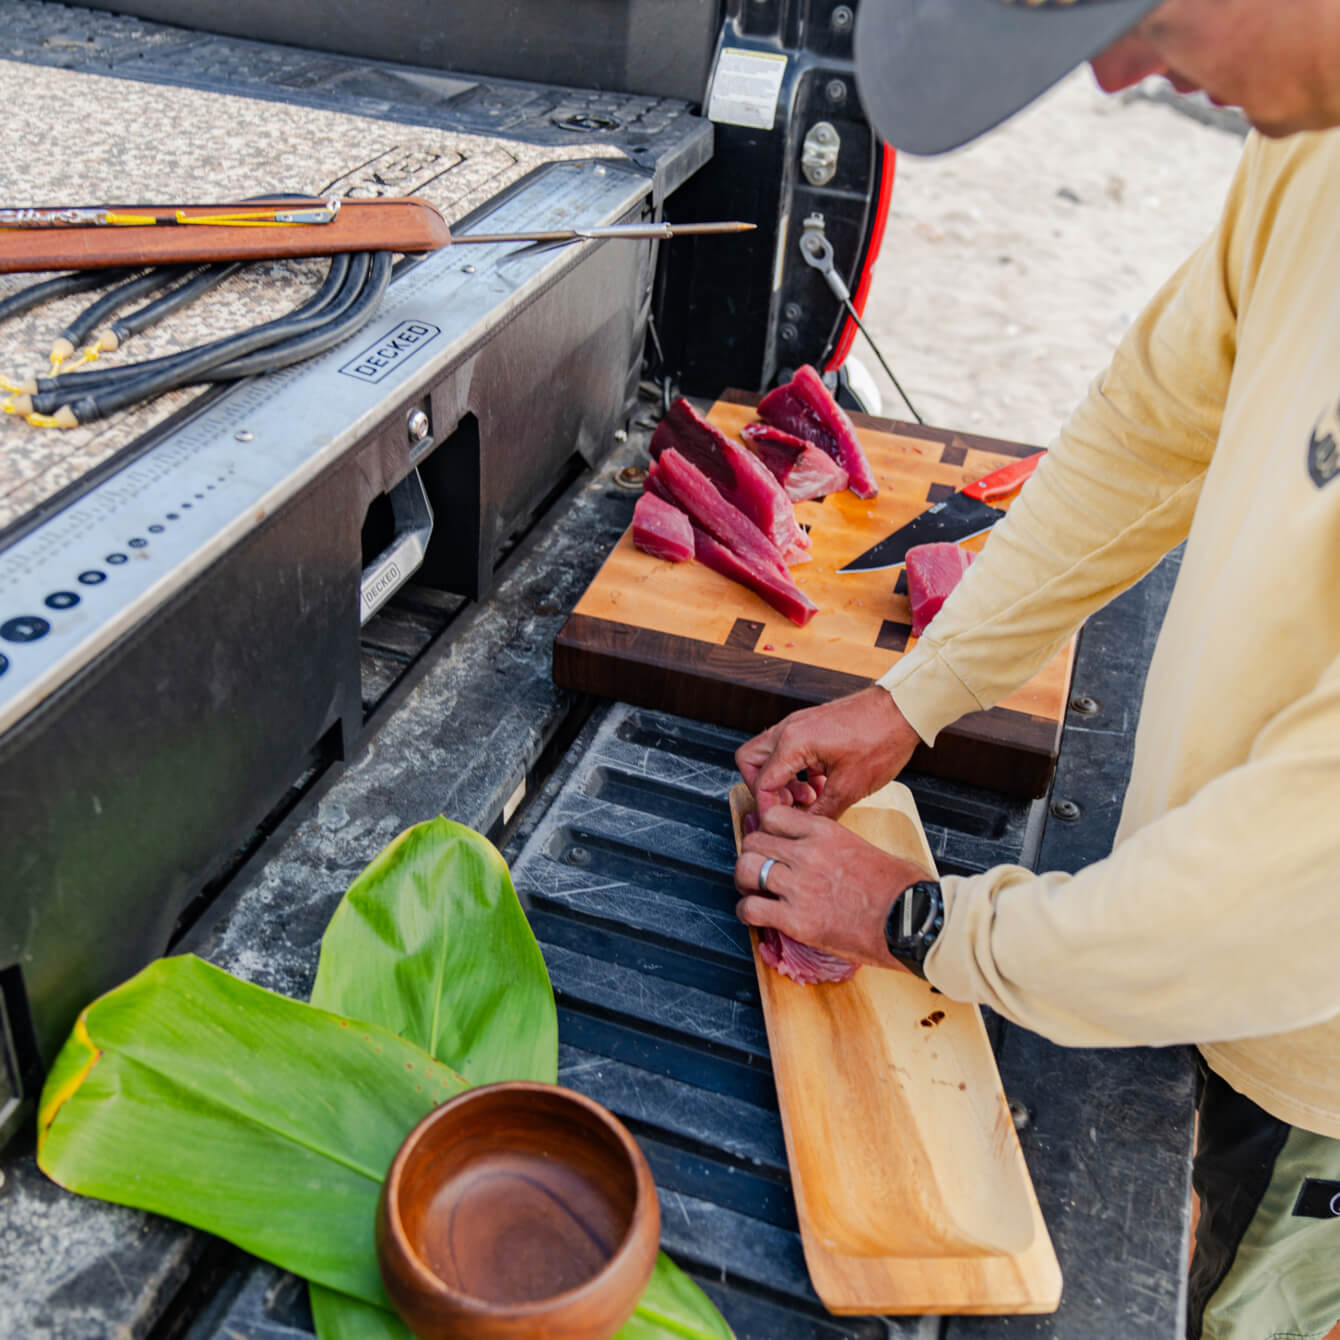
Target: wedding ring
763,874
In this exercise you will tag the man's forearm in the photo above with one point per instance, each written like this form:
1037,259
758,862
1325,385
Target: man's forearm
1116,492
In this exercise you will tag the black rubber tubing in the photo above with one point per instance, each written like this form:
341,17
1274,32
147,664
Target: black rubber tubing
47,290
53,392
257,351
160,308
96,313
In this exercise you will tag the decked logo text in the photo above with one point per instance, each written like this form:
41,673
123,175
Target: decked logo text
379,360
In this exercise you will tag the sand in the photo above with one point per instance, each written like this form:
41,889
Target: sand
1011,268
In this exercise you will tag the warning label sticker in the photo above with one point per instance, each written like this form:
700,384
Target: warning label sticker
745,86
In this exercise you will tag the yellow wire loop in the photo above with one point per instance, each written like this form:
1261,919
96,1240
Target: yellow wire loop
266,220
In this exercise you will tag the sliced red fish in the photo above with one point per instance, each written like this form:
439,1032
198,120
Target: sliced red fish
802,469
802,963
933,571
661,529
679,481
775,587
805,408
740,477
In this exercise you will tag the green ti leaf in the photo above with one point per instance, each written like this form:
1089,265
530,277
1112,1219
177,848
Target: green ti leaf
271,1123
431,941
340,1317
193,1094
674,1306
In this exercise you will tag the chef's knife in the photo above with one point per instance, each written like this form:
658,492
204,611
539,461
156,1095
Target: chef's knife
958,517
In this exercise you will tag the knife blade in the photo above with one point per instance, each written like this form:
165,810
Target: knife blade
958,517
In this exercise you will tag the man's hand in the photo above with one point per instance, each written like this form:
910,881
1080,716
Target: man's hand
847,748
829,888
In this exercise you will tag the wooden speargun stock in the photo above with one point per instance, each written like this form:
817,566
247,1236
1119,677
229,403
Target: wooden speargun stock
87,237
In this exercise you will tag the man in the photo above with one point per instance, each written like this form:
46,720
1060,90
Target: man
1215,919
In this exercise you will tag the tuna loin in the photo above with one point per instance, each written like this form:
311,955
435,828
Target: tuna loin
801,469
776,588
804,407
933,571
661,529
679,481
740,477
802,963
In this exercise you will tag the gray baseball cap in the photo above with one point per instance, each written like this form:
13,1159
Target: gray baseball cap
935,73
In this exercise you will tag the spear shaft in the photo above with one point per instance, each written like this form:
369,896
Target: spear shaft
92,237
610,232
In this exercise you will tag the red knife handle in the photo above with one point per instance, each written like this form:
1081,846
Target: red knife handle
1005,480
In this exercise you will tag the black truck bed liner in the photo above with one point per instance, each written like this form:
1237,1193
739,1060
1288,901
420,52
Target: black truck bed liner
623,859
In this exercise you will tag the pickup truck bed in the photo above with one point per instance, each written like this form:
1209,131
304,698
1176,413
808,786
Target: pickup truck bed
624,821
614,822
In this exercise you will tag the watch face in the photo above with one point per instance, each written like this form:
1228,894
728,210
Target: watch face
914,922
918,910
915,912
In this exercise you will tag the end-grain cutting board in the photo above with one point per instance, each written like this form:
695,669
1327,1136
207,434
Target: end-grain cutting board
910,1186
682,638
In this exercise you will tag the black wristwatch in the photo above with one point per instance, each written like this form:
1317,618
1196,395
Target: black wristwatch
915,919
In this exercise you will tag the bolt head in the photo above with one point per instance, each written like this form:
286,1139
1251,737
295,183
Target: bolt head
1020,1115
1065,810
1085,706
841,19
417,425
836,90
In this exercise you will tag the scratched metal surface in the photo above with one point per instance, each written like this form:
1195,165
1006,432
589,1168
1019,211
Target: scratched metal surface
626,878
236,147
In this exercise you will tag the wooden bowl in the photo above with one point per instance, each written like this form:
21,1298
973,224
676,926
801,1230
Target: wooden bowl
517,1210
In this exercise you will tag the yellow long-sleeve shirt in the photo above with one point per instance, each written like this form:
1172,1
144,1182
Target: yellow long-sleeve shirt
1216,919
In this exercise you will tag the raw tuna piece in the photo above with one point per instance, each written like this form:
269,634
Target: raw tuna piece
804,407
741,478
681,482
802,470
776,588
661,529
801,963
933,571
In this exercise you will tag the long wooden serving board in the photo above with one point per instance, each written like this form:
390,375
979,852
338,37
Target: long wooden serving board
682,638
910,1186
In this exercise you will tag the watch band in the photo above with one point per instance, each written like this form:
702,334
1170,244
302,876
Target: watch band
914,921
